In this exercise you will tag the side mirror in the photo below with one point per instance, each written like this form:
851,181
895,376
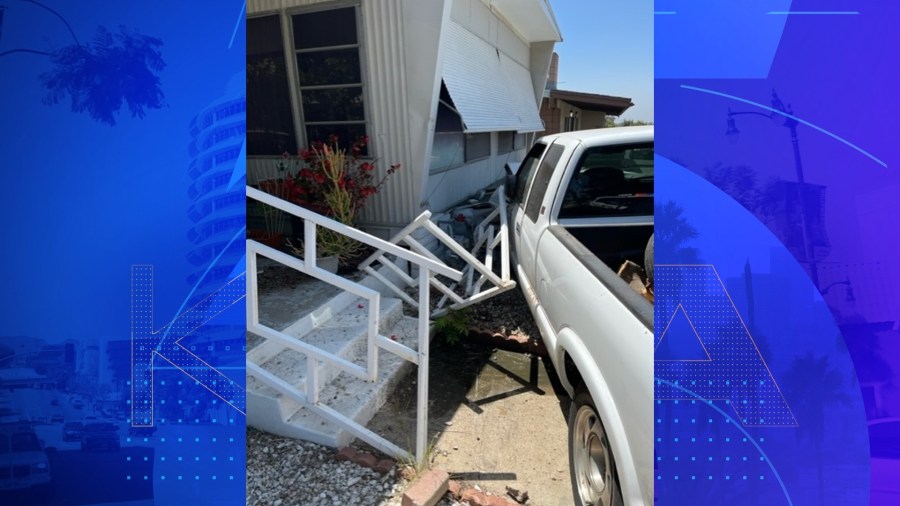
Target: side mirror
512,178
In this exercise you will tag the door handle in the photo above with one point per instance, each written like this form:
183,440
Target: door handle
517,227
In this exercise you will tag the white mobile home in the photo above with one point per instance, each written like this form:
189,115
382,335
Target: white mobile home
449,89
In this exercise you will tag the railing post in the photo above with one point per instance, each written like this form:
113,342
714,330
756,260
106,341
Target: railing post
309,244
372,336
312,379
504,236
252,297
422,399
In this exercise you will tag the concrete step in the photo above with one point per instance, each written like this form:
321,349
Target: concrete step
353,397
343,334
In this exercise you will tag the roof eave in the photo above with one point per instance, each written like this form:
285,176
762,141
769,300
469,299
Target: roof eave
533,20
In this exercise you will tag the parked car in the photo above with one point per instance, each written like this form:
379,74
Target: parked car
57,418
102,435
71,431
23,461
581,206
77,403
884,447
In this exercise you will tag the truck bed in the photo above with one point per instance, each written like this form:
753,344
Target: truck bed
602,270
614,244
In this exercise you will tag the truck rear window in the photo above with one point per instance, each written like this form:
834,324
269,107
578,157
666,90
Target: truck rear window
611,181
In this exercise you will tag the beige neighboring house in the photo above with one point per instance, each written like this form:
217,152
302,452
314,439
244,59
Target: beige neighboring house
449,89
565,111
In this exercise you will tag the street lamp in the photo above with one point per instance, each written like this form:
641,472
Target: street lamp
849,297
783,115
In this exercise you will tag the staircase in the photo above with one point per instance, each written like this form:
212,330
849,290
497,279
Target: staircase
341,331
324,375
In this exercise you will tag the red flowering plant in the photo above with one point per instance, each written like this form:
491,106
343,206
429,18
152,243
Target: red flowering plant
335,182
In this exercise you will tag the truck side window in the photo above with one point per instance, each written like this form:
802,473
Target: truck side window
526,171
611,181
541,181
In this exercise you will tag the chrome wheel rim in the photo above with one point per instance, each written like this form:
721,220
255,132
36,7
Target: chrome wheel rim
592,459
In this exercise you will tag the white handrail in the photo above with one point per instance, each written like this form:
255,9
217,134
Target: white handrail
288,207
429,266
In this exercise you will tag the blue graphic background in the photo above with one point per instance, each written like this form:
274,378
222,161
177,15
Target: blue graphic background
90,189
703,447
821,300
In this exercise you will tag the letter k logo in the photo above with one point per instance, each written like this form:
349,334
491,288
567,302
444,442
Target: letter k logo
166,344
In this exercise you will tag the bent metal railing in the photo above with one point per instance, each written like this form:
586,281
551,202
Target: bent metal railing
487,237
428,268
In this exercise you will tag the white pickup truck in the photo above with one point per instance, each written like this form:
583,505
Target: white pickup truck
581,205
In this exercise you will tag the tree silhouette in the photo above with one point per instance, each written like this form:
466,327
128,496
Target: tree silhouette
100,77
672,234
112,70
813,386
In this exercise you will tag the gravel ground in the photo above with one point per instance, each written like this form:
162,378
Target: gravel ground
290,472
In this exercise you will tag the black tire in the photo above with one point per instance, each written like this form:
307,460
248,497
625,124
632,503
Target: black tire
648,260
592,468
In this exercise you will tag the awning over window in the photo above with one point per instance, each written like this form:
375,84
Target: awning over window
491,91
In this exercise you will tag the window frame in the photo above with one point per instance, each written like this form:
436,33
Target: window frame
522,184
449,109
542,175
289,69
286,16
506,141
477,137
297,92
445,104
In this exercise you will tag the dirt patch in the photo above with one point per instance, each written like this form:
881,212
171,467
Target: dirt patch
496,419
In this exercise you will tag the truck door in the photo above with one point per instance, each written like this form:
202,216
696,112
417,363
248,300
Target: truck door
533,218
517,194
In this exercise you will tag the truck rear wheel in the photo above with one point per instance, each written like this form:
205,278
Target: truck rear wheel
591,463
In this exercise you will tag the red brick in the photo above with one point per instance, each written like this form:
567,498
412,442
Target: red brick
476,498
366,460
346,453
428,488
384,466
454,488
473,497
